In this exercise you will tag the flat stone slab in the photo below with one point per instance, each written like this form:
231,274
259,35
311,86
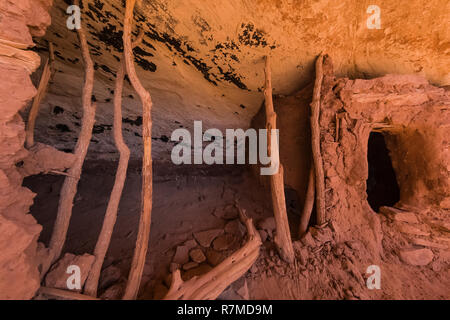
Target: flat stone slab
399,215
224,242
235,227
411,230
190,265
243,291
196,272
426,243
214,257
416,257
191,244
197,255
58,276
181,255
204,238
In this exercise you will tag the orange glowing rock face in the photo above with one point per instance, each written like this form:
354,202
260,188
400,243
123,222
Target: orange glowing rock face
208,58
388,79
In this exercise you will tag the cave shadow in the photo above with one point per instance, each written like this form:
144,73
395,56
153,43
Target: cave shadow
382,186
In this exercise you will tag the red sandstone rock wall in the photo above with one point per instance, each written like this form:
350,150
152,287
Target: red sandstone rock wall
19,21
414,117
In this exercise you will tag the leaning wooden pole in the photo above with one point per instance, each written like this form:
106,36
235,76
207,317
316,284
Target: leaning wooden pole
309,203
104,239
42,88
283,239
69,188
315,136
138,262
90,288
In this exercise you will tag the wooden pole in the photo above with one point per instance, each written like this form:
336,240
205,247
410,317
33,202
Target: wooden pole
315,137
42,88
309,203
137,265
69,188
282,239
109,221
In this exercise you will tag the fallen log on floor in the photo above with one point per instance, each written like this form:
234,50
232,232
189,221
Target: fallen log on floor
315,143
210,285
69,188
109,221
283,239
63,294
138,262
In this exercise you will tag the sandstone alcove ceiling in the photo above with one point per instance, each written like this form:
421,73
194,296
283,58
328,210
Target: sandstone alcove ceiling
361,178
204,60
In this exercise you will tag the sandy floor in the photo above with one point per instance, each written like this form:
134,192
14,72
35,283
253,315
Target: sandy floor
186,204
182,205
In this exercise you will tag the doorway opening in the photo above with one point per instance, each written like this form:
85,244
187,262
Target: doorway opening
382,186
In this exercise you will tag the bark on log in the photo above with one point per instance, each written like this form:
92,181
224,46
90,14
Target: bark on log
69,188
315,140
138,262
109,221
309,203
210,285
282,239
42,89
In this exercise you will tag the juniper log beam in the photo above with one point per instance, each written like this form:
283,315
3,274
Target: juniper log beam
309,203
104,238
138,262
43,85
315,142
69,188
283,239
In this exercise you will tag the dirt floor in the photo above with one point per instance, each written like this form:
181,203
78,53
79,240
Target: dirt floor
185,205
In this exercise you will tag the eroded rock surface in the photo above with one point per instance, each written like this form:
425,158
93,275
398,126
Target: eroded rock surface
58,275
19,21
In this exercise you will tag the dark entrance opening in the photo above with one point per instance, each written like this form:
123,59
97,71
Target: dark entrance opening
382,186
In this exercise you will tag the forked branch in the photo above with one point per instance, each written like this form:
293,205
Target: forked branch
109,221
69,188
210,285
